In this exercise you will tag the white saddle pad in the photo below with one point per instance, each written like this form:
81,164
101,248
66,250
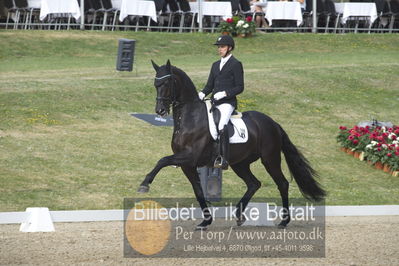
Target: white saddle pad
240,129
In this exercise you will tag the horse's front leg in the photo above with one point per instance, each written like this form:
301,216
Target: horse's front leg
193,177
176,159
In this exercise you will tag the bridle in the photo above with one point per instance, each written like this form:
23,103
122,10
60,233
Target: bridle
172,98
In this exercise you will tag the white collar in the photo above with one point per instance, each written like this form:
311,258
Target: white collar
223,60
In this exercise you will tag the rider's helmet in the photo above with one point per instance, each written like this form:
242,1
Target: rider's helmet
225,40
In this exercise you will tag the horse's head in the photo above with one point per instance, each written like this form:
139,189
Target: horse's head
164,84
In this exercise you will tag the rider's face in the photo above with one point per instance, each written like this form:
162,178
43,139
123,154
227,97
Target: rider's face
222,50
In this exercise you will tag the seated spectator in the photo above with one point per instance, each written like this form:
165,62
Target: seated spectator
303,5
259,14
159,4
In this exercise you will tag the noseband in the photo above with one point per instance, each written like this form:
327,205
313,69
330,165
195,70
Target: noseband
171,99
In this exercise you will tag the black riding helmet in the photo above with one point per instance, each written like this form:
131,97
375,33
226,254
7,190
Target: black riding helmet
225,40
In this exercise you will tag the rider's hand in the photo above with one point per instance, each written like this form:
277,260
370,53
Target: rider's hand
219,95
201,95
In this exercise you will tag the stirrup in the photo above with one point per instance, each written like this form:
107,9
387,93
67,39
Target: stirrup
220,162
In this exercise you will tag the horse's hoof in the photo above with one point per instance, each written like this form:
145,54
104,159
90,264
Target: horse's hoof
201,228
143,189
282,225
284,222
241,221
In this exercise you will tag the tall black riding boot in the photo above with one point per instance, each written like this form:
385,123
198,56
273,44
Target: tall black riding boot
222,160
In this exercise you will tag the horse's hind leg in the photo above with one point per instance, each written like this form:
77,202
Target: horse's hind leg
273,167
253,184
193,177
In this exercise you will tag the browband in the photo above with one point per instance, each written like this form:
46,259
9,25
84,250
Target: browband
164,76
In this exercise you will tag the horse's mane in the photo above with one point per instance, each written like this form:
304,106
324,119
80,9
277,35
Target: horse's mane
187,82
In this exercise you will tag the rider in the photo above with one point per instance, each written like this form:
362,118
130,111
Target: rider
225,81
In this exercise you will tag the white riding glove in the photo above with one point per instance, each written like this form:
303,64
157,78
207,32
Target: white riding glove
201,95
219,95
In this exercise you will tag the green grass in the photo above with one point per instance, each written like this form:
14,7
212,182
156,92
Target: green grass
67,140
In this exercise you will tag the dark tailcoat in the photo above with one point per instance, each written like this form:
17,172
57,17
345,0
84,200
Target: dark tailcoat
230,79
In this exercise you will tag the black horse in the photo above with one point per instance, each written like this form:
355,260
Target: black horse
193,146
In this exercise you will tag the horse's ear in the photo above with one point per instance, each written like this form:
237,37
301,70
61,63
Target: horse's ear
168,66
155,66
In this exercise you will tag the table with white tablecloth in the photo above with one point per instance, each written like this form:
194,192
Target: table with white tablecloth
59,6
284,11
347,10
221,9
116,4
137,8
36,4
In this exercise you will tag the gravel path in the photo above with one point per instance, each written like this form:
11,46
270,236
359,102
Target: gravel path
349,241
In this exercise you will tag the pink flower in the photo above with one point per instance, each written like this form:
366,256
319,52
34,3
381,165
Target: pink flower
229,20
355,141
393,137
389,154
378,149
248,19
342,128
397,153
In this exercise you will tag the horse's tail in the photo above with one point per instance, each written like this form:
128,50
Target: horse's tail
301,170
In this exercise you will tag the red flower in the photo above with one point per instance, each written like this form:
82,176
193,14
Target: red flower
378,149
396,131
248,19
229,20
393,137
389,154
355,141
397,153
342,128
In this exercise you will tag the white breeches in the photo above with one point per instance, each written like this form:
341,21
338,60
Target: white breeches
225,112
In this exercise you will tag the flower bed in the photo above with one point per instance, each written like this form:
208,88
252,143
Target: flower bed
237,26
378,145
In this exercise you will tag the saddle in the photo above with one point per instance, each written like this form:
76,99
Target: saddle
238,132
